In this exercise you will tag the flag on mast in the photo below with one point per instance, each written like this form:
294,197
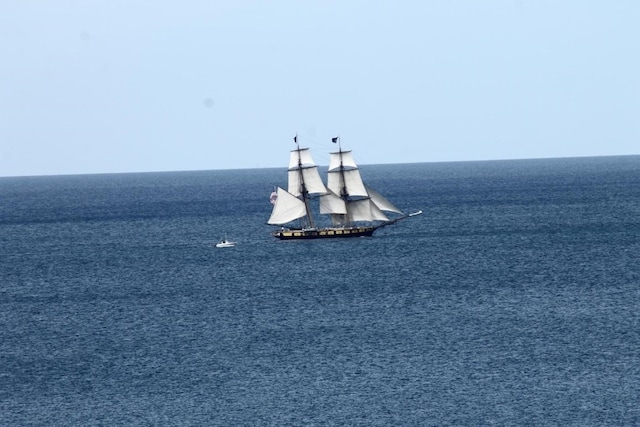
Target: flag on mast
335,139
295,139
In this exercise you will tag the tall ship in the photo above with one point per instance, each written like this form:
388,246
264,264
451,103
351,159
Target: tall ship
355,209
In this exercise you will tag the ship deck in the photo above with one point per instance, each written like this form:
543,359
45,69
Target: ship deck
323,233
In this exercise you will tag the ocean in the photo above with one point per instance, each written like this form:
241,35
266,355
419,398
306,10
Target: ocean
513,300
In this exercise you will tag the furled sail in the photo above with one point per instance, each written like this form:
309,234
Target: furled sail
287,208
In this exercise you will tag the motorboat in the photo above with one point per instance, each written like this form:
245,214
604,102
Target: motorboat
224,243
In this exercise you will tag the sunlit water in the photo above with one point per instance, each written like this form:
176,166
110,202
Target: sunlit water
514,300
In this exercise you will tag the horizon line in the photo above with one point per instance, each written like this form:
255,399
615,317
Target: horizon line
44,175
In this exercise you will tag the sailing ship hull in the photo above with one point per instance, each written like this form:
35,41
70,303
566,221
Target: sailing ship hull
324,233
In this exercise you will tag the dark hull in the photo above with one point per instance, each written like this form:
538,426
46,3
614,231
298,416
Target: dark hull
324,233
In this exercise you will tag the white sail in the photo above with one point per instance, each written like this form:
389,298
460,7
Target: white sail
338,220
352,183
300,157
381,202
365,210
343,175
312,181
330,203
303,169
341,158
287,208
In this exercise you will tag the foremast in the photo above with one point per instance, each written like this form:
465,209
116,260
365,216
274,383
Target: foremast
303,181
299,181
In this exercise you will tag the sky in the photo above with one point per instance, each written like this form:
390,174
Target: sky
110,86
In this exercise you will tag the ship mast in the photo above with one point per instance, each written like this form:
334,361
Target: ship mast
303,187
344,194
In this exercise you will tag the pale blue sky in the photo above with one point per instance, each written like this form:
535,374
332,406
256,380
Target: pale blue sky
133,86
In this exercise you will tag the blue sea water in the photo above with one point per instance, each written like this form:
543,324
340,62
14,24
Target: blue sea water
513,300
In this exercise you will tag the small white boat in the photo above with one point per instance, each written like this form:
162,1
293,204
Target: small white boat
224,243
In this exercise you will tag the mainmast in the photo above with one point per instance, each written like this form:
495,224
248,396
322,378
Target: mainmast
344,180
344,194
343,185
